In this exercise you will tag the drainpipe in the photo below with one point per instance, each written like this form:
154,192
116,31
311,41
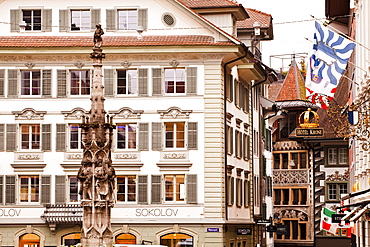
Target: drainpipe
225,133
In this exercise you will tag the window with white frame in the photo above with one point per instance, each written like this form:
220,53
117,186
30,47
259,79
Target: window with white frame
174,188
74,186
38,20
80,20
30,82
175,134
75,137
32,18
29,187
127,19
174,80
80,82
334,189
337,156
30,136
121,19
126,188
127,81
127,136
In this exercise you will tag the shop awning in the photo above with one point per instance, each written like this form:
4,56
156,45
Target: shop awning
62,213
350,214
359,214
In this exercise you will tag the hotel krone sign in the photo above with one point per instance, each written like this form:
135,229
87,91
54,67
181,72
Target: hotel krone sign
309,123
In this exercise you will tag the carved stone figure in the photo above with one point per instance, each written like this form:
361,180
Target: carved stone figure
98,41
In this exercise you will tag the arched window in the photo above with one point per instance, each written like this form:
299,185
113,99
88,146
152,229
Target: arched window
29,240
177,240
125,238
71,239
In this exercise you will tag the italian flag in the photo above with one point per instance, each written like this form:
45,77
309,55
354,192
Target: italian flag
326,220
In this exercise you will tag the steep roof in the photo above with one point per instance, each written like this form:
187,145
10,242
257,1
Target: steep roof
255,15
108,41
293,86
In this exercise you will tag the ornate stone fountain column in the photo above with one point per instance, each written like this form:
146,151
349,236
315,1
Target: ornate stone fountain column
96,175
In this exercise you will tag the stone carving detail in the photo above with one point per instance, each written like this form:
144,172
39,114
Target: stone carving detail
174,112
28,114
290,177
127,113
29,65
79,65
290,214
174,156
126,64
74,156
174,63
75,113
29,156
338,177
289,145
126,156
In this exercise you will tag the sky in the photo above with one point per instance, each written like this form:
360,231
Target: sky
289,38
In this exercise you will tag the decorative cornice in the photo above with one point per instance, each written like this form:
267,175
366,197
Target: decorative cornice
28,114
79,65
29,65
126,64
174,63
127,113
174,113
75,113
338,177
289,145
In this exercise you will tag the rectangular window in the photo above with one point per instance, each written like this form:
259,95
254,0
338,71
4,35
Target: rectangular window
290,160
29,188
174,80
73,189
126,136
127,19
80,20
336,156
335,189
174,188
127,82
126,188
75,137
30,136
290,196
297,230
30,82
175,135
80,82
32,18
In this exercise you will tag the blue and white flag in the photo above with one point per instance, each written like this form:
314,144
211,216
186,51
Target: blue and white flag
326,65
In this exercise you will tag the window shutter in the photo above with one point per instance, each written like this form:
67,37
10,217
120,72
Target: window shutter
248,146
157,81
46,20
142,18
192,135
61,138
156,136
142,189
232,190
108,82
95,18
45,189
191,80
14,20
46,137
2,82
60,189
247,199
231,140
156,189
12,83
63,20
111,20
2,138
191,189
10,189
1,190
143,82
143,136
11,134
241,95
62,83
46,82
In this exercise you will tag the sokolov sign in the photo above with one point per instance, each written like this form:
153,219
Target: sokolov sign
16,215
158,212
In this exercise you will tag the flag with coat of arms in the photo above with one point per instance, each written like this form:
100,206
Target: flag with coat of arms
326,65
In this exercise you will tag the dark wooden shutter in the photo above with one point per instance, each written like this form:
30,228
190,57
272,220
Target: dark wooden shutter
46,137
62,83
156,189
142,189
157,81
95,18
64,20
46,20
142,18
192,135
2,137
2,82
108,82
232,190
11,136
247,199
60,189
45,189
191,80
143,136
46,82
156,136
61,138
143,82
10,189
1,189
14,20
191,188
12,83
111,20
